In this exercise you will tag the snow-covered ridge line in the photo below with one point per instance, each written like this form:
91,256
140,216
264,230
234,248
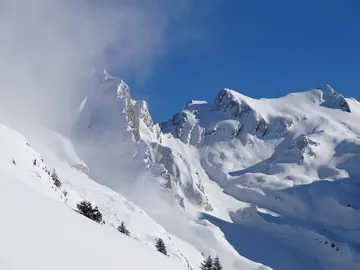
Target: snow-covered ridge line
269,153
251,114
21,164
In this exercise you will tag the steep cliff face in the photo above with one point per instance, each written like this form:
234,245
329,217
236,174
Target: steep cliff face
238,108
332,99
123,132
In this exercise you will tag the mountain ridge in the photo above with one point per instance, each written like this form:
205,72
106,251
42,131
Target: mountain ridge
274,144
240,178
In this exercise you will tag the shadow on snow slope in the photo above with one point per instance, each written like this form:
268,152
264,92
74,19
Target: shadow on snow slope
313,226
259,246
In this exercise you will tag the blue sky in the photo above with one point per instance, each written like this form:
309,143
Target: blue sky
259,48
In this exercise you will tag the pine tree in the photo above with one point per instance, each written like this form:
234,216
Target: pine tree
55,178
217,265
122,228
160,246
85,208
207,264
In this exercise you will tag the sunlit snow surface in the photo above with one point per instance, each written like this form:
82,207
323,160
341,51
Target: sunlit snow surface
268,183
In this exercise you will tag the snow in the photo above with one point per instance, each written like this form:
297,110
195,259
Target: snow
261,183
114,207
277,174
48,209
42,233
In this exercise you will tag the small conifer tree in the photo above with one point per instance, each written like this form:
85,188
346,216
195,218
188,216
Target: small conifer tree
160,246
207,264
85,208
122,228
217,265
55,178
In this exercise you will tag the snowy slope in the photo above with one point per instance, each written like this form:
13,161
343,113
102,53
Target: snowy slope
39,212
127,152
41,233
261,183
24,169
272,154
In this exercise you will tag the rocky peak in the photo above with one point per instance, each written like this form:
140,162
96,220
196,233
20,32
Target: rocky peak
123,90
111,95
113,121
333,99
199,120
226,100
238,107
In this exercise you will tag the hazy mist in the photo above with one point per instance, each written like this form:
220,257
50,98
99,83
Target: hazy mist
48,49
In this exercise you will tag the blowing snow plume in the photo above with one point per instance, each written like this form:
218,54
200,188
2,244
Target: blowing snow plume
49,47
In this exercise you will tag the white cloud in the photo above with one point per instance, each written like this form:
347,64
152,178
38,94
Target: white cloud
48,48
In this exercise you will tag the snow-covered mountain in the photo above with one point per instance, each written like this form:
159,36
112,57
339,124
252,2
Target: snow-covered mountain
41,231
261,183
266,154
293,161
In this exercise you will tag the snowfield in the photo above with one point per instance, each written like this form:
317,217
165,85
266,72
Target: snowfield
261,183
41,231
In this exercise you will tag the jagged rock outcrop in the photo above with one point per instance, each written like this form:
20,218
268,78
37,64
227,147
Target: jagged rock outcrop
123,132
333,99
251,121
198,120
304,146
185,126
300,150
